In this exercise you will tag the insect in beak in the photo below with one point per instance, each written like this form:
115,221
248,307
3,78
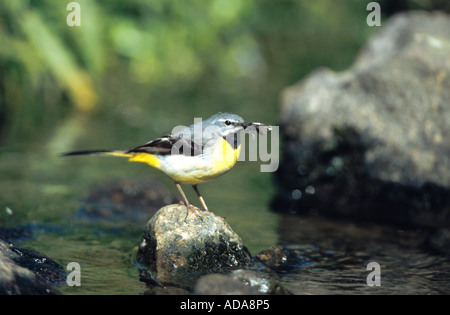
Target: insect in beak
260,127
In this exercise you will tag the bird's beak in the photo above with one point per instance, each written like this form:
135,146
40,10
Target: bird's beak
260,127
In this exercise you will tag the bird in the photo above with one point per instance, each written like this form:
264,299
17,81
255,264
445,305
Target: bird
190,155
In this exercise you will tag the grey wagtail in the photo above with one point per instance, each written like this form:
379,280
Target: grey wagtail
195,154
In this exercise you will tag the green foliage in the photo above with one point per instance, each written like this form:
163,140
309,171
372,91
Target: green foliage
132,60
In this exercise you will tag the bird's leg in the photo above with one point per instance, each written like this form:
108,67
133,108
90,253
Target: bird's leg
186,202
200,197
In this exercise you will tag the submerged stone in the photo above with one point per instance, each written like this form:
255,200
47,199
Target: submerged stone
177,247
125,200
282,259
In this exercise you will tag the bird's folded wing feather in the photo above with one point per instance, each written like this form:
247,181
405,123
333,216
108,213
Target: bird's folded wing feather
168,145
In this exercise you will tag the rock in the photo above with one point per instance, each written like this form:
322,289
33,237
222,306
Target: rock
239,282
25,272
176,249
41,265
282,259
151,289
372,143
222,284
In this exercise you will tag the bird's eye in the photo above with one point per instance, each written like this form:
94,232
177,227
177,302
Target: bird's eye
227,122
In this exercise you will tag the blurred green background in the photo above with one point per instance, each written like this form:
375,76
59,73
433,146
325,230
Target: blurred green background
132,71
131,62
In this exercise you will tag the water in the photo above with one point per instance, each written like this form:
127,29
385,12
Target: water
49,196
53,197
342,251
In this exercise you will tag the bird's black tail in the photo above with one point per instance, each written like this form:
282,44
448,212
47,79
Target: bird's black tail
97,152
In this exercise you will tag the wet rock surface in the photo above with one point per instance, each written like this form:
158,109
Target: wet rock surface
176,249
25,272
282,259
221,284
239,282
371,143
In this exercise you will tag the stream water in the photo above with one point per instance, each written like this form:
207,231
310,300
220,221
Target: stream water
54,198
339,254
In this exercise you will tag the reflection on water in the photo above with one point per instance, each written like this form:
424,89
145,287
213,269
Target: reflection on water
343,250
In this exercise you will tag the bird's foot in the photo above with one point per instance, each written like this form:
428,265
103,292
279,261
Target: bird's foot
194,210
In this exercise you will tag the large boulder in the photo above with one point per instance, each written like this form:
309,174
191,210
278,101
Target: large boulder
373,142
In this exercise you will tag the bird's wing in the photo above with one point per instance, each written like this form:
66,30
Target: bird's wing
169,145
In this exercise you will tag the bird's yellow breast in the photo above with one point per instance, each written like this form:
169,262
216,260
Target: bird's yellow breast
224,156
215,161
